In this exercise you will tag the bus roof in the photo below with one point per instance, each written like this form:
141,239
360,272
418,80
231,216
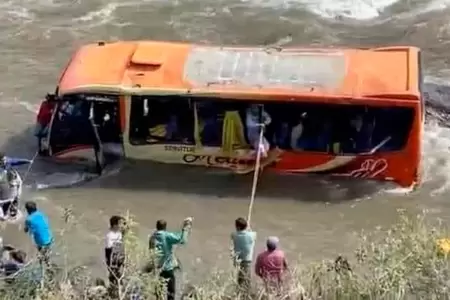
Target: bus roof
165,68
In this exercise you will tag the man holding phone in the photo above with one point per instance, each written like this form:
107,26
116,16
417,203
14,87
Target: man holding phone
163,242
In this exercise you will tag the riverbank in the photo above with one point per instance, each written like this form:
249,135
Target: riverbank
389,263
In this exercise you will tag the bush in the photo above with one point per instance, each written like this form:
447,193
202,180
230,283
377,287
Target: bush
403,262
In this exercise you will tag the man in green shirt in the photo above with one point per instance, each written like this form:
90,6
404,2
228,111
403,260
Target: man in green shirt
162,242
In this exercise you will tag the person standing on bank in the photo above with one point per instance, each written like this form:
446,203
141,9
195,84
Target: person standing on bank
37,225
271,266
10,185
243,240
43,120
114,249
162,242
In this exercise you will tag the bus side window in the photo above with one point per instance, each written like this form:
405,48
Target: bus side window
210,119
160,120
342,129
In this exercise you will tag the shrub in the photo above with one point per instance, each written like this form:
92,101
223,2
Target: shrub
401,262
407,260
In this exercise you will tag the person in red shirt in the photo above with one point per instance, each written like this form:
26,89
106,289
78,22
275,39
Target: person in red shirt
43,118
271,266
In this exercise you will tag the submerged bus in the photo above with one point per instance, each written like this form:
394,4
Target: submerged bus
347,112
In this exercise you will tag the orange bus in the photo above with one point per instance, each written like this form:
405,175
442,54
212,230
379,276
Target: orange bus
348,112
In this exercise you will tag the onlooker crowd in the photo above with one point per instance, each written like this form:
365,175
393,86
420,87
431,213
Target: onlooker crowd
270,264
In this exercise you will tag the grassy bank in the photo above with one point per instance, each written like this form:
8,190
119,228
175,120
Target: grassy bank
400,262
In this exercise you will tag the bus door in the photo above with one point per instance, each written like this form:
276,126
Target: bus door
98,145
136,139
72,135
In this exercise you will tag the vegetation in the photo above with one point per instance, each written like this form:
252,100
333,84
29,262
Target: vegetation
402,262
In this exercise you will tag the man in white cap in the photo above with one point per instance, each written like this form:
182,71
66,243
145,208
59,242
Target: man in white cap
271,265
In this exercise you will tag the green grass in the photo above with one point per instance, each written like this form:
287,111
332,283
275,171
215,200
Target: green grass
400,262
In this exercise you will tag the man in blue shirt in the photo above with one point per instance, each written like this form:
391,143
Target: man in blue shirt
37,225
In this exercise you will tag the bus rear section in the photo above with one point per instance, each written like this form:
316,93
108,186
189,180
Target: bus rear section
85,129
358,141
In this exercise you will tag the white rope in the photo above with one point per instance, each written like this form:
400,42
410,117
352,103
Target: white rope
30,166
255,174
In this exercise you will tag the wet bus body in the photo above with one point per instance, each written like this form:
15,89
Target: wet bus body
347,112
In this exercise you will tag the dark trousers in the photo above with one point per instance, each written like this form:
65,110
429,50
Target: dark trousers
115,273
169,284
244,278
44,254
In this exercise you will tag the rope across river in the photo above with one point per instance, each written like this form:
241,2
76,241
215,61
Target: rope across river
30,165
255,174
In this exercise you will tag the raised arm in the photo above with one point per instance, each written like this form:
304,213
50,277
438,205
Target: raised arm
266,118
178,237
13,161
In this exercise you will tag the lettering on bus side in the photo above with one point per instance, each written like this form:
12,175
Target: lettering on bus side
186,149
216,160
